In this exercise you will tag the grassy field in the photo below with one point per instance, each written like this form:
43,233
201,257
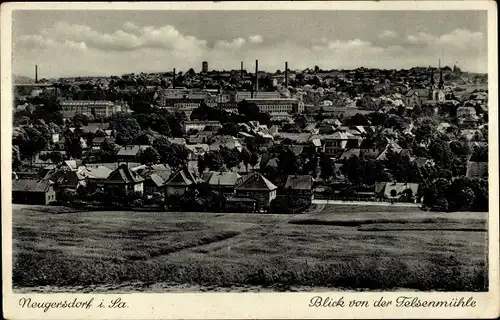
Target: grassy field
330,247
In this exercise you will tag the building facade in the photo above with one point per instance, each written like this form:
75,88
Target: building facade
100,108
245,95
275,105
200,125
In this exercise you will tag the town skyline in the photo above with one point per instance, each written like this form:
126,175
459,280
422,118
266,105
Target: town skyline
94,45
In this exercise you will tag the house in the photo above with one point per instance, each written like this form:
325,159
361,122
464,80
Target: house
44,157
161,170
179,182
416,97
239,204
391,147
197,150
99,142
221,181
102,129
66,180
200,125
153,184
257,187
228,142
124,181
130,153
301,184
31,191
95,174
340,141
399,191
180,141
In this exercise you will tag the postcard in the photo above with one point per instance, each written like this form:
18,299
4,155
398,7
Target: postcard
234,160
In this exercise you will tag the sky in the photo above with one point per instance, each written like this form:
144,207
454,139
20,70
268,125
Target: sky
104,43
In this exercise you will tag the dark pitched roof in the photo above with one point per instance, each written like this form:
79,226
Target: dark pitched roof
156,179
255,182
131,150
124,175
303,182
182,177
220,178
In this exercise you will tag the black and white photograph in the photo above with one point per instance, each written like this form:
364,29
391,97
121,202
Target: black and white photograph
250,151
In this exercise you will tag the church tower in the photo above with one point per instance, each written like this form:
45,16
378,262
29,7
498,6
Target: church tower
441,80
431,78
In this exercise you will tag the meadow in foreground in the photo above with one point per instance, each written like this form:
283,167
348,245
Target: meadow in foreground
345,248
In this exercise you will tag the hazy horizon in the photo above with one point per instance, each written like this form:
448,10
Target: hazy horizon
70,43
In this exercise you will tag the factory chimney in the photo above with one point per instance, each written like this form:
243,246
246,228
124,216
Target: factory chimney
241,70
173,80
286,74
36,73
256,75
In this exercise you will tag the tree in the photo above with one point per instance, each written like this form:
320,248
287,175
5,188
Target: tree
214,160
31,143
127,128
254,159
245,156
395,122
174,155
440,151
80,119
230,157
56,157
426,129
401,168
149,156
359,120
480,154
435,195
326,166
202,164
16,158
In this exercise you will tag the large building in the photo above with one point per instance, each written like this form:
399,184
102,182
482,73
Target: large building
99,108
180,98
433,94
274,105
245,95
204,66
200,125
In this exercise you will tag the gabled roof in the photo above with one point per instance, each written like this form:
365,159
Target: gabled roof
94,127
302,182
30,185
255,182
156,179
418,92
124,175
182,177
72,164
390,147
131,150
215,178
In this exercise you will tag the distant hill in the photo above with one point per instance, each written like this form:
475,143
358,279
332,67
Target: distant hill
22,80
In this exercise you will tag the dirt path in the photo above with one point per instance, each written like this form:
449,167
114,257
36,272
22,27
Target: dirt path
366,203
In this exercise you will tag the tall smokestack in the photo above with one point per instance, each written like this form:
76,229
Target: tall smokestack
241,69
286,74
36,73
256,75
173,80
